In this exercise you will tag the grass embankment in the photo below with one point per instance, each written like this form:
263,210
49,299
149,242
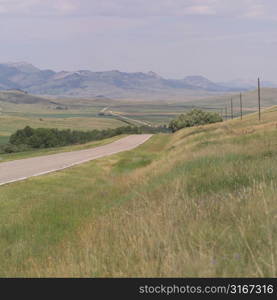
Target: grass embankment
201,202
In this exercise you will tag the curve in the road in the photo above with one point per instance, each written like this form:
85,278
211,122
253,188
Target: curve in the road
18,170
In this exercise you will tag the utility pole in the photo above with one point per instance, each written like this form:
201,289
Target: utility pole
226,112
240,98
221,113
232,115
259,98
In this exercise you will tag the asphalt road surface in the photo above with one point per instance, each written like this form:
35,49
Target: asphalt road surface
17,170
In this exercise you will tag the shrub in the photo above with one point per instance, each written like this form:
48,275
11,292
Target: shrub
194,117
10,148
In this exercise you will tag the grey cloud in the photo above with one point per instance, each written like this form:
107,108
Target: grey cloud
216,38
142,8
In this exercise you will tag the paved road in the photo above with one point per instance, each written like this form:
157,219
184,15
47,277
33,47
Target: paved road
17,170
128,119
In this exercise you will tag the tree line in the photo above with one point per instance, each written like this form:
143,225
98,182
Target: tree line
39,138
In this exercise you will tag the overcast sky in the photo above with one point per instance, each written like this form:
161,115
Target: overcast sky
220,39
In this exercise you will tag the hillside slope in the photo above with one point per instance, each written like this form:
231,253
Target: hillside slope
249,100
201,202
21,97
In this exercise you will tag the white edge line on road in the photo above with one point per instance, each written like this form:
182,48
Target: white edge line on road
75,164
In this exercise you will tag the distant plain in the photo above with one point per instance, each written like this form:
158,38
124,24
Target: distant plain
18,110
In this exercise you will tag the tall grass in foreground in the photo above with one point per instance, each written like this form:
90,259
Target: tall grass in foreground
199,203
165,237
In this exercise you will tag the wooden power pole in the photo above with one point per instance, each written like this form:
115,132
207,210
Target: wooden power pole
226,112
240,98
232,114
259,98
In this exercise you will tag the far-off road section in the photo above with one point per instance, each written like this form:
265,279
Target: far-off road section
17,170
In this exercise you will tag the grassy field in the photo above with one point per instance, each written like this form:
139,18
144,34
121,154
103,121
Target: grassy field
77,115
9,124
249,101
201,202
4,139
162,111
83,114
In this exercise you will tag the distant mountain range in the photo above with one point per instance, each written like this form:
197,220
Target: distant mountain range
113,84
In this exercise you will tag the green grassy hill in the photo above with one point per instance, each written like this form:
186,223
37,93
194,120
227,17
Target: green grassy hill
201,202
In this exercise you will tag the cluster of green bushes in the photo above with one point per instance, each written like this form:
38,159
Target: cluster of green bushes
194,117
31,138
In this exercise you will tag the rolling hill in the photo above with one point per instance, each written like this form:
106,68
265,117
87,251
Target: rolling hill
249,100
197,203
21,97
